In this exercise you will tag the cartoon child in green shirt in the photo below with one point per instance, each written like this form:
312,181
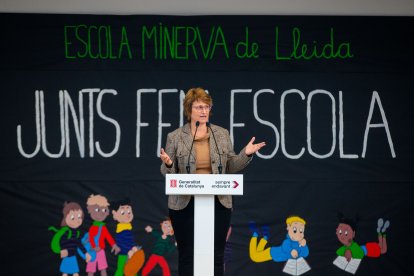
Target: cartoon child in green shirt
345,232
164,245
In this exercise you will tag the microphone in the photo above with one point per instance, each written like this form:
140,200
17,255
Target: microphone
220,166
191,148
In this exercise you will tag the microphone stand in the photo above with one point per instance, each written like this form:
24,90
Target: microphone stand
220,166
191,148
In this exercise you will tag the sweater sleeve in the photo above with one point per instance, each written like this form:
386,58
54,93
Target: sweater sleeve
93,231
357,251
81,246
303,251
286,246
341,251
107,236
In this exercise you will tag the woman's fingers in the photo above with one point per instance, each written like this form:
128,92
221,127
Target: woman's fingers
164,157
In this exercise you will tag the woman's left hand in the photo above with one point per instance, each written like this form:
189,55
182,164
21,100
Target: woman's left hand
253,148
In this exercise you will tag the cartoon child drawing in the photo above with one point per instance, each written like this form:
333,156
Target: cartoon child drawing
293,247
67,239
345,233
122,213
163,245
97,206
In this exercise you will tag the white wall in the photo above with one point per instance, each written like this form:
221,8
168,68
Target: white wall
203,7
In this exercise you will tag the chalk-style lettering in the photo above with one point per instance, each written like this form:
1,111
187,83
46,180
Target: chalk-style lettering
302,50
246,48
266,123
181,42
282,123
375,100
140,123
96,42
160,123
341,131
232,123
309,117
66,111
38,135
110,120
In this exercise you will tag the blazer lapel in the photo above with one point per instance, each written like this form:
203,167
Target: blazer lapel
214,155
187,138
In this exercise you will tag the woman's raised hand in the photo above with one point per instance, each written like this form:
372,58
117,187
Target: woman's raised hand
165,157
253,148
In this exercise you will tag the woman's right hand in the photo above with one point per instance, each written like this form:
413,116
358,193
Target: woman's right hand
165,158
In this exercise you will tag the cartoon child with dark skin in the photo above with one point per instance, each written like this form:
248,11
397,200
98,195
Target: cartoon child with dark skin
122,213
70,241
164,245
293,247
345,232
98,209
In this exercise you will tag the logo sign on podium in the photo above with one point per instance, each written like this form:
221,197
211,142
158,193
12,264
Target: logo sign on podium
204,187
204,184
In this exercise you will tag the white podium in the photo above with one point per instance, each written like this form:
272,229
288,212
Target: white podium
204,187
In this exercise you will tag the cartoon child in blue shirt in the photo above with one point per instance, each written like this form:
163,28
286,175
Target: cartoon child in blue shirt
122,213
293,247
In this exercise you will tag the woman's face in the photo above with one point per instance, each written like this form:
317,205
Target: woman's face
200,111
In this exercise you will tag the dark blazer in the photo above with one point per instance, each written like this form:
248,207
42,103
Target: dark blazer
178,148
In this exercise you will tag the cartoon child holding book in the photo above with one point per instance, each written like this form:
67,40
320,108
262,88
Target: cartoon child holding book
293,247
345,232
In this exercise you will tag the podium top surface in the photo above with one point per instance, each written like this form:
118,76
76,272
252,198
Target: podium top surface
204,184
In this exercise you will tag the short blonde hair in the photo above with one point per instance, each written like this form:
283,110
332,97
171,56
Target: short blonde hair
97,200
293,219
195,94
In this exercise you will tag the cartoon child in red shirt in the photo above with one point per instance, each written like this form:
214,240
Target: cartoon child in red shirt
98,209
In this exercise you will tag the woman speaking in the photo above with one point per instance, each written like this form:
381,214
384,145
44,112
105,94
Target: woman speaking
202,148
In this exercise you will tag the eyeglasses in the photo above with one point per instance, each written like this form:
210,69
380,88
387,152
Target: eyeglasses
202,107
